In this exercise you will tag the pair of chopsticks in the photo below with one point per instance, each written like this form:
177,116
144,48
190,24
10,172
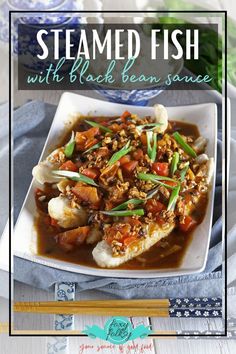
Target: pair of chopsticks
129,308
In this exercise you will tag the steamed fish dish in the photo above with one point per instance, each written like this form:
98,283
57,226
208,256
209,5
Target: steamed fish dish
123,191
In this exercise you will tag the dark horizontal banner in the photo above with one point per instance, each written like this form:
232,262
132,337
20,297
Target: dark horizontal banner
118,56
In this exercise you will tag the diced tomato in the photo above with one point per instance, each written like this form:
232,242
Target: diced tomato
161,168
125,115
143,138
91,172
154,206
138,154
124,159
87,194
128,240
187,224
129,167
89,143
118,231
68,239
171,183
86,139
69,166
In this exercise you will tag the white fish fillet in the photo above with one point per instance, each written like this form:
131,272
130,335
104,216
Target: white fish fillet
102,253
161,116
59,209
43,171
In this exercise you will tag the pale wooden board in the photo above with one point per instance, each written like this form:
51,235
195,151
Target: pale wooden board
186,324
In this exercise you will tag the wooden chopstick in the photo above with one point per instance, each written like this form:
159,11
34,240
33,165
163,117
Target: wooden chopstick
104,311
158,303
147,307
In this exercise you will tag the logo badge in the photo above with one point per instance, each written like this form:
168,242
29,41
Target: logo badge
118,330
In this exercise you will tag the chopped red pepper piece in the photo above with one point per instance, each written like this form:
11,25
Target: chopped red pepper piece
187,223
91,172
161,168
129,167
124,159
69,166
154,206
138,154
125,115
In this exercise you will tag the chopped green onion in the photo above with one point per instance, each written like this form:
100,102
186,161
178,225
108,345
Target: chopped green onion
138,212
75,176
186,147
100,126
154,147
151,126
183,172
152,176
173,198
149,141
174,163
151,145
122,152
93,147
125,204
156,179
69,148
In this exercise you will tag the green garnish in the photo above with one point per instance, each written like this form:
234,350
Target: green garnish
93,147
151,145
100,126
173,198
75,176
156,179
69,148
122,152
149,141
138,212
125,204
151,126
152,176
183,172
154,147
174,163
187,148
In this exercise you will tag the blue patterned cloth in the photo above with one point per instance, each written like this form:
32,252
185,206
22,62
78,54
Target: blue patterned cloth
31,125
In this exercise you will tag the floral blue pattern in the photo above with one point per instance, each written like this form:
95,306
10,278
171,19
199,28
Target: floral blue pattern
195,313
196,302
64,292
56,18
134,97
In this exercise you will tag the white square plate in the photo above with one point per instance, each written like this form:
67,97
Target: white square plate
203,115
